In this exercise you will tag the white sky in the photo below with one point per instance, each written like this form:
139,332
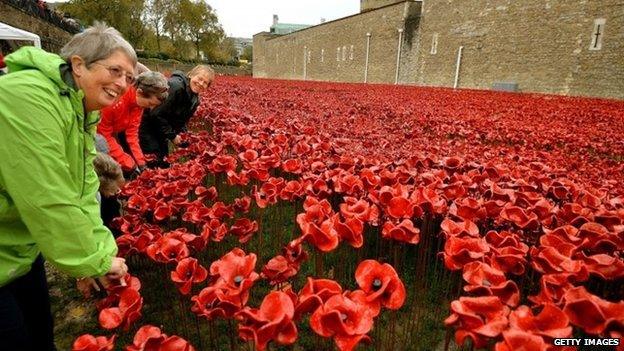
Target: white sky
244,18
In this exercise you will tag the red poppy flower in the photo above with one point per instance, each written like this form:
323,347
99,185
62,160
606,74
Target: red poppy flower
244,229
241,178
219,210
346,319
404,231
214,230
428,200
369,179
293,165
248,155
550,323
278,270
485,280
606,266
88,342
593,314
514,339
347,183
553,287
314,293
127,311
272,321
459,229
294,253
236,271
223,163
468,209
323,237
460,251
187,272
216,302
150,338
521,218
292,190
242,204
351,230
360,209
162,211
399,207
206,194
478,318
380,282
167,250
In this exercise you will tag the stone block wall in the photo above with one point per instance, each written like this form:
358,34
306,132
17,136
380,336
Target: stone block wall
52,37
336,50
543,46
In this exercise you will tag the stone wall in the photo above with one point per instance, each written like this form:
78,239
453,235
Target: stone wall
367,5
336,50
543,46
52,37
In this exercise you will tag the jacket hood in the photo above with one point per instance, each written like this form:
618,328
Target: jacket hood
30,57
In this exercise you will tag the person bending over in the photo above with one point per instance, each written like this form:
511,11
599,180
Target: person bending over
167,121
120,122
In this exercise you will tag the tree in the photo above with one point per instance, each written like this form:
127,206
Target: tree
202,27
155,15
247,53
124,15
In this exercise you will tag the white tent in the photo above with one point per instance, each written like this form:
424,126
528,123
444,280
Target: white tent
11,33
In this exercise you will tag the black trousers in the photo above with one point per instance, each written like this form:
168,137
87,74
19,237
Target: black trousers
26,322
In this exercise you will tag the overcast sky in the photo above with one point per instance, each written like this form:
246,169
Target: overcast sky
244,18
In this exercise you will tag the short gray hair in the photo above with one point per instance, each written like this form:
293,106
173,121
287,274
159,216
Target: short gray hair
97,43
153,84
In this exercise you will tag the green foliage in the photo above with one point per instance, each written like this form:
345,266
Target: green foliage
247,53
181,29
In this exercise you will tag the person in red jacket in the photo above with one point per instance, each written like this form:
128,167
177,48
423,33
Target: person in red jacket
120,122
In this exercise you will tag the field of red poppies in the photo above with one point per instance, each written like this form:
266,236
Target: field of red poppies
318,216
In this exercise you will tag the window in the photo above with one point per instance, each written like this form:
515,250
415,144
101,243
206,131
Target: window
434,44
351,53
597,34
338,54
344,53
309,55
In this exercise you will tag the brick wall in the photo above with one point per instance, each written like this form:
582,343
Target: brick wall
541,45
336,50
52,37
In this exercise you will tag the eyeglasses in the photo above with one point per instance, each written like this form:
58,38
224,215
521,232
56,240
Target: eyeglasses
118,72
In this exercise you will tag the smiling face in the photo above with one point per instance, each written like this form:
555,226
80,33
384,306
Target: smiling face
104,81
201,82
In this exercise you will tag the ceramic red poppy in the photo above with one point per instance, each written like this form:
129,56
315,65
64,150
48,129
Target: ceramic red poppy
187,273
380,282
88,342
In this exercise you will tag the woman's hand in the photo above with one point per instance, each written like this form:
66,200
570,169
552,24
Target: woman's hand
118,270
85,285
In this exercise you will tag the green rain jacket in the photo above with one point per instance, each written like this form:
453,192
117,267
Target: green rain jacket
47,181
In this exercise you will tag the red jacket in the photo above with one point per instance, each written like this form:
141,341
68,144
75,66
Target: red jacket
124,116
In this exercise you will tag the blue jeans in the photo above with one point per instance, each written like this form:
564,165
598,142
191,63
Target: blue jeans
25,319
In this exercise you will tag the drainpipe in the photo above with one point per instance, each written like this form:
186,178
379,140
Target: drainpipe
459,58
305,63
368,36
398,60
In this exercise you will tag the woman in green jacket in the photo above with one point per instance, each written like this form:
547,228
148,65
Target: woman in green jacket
48,206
